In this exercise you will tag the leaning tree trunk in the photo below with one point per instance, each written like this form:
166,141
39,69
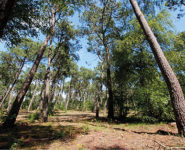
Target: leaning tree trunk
11,87
33,97
6,7
175,90
11,118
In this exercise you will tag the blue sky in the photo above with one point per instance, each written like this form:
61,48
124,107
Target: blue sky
90,60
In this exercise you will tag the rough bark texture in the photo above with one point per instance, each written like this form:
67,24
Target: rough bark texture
10,100
45,101
109,87
171,80
6,7
105,104
33,97
97,106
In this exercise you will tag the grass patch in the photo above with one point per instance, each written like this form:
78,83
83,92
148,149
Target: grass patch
86,129
33,117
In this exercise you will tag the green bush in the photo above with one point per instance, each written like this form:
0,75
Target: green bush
2,117
60,134
148,119
85,129
33,116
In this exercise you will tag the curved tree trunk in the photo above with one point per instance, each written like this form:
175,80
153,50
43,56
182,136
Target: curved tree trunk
176,93
6,7
11,118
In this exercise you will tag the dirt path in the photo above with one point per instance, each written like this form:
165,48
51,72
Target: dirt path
80,131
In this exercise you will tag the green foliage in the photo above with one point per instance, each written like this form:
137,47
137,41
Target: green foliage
85,129
60,134
89,105
136,76
33,116
148,119
2,116
24,20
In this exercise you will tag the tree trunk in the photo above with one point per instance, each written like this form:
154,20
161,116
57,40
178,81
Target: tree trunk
10,100
6,7
61,95
11,87
105,104
109,86
11,118
33,97
41,96
97,106
85,95
68,96
176,94
45,101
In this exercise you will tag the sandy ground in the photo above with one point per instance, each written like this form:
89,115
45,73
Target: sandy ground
84,132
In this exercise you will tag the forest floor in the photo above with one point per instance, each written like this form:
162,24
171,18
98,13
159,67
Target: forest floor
81,131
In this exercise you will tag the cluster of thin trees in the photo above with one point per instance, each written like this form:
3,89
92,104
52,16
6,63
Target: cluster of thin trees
100,19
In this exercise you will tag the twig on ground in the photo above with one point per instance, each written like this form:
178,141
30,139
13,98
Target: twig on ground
167,147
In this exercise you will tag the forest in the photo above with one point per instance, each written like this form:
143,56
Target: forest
132,99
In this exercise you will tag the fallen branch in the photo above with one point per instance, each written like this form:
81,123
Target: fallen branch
167,147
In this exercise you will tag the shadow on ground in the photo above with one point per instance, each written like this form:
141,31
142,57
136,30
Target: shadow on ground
159,132
110,148
58,117
27,136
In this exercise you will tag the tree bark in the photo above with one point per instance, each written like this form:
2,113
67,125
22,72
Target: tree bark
105,104
97,106
109,86
33,97
68,96
6,7
61,96
10,100
175,90
45,99
11,118
41,96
